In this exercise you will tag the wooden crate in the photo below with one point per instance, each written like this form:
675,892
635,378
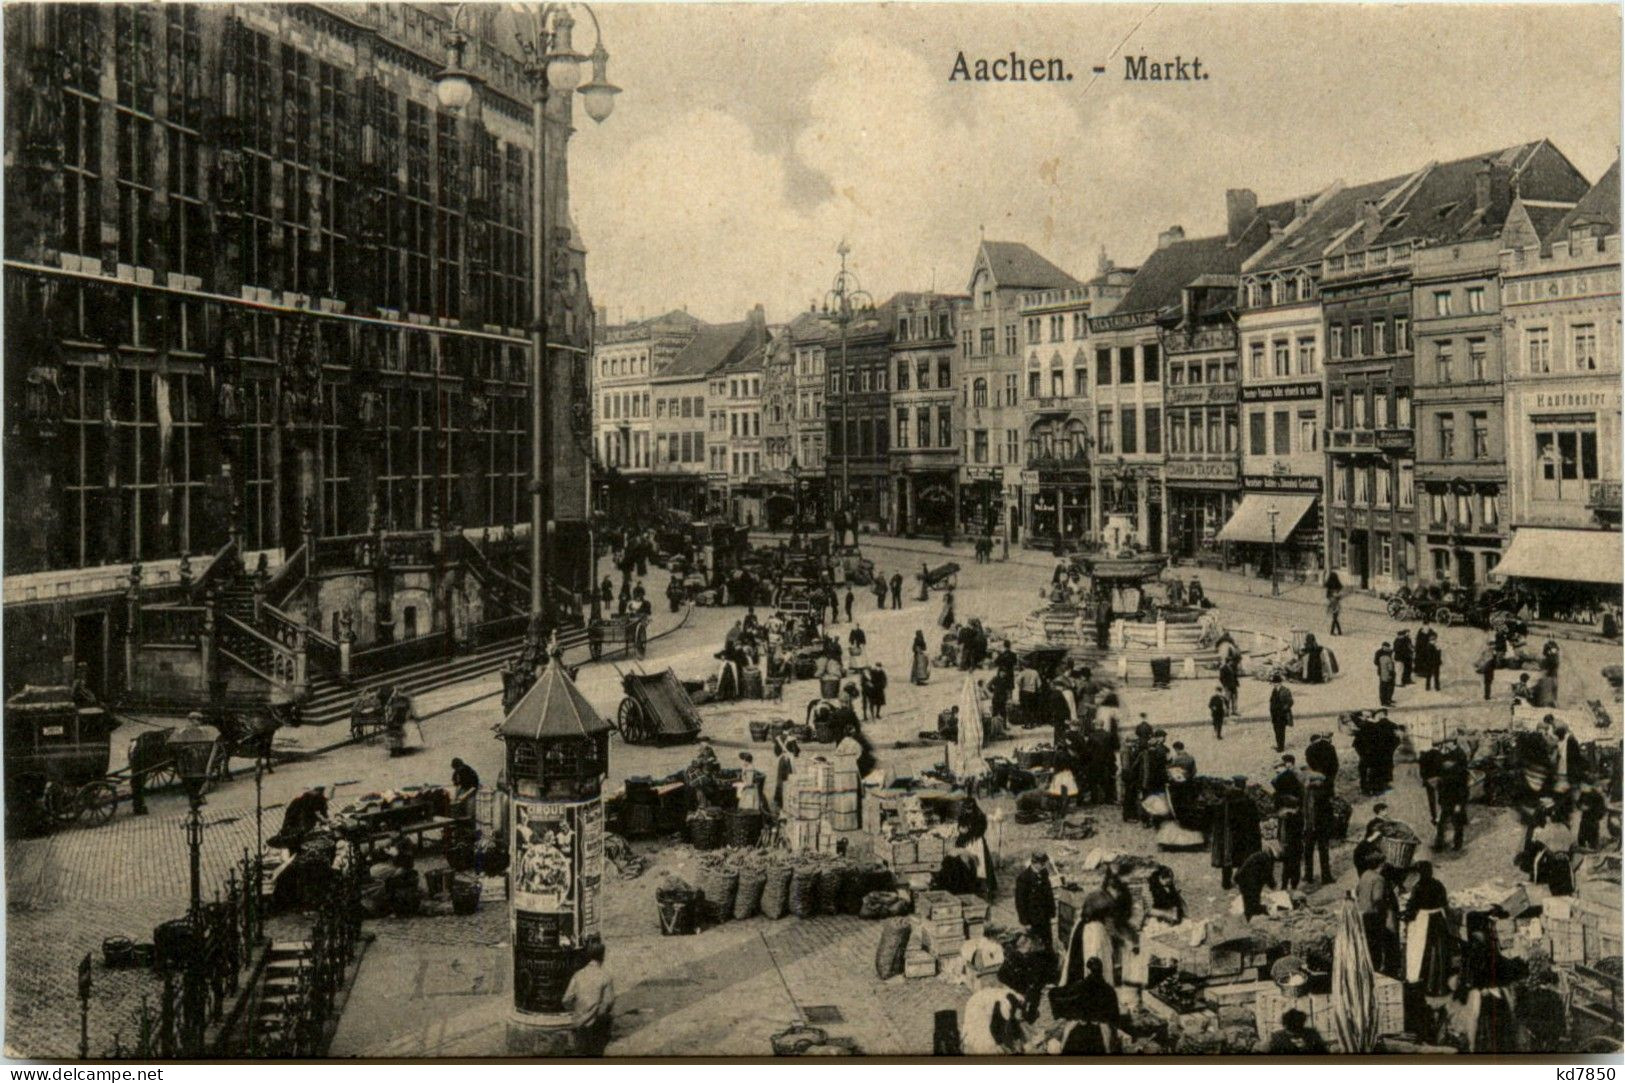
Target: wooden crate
1236,993
939,905
974,907
1390,1005
1272,1003
919,964
932,848
1176,1019
975,930
1600,943
903,851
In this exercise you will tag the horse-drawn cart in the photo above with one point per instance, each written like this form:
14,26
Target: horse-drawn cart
656,710
624,633
58,751
942,577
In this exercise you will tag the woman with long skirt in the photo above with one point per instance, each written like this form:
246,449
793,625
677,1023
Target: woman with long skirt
920,671
1428,951
947,618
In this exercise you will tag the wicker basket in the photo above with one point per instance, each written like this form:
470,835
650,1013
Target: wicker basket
760,731
706,832
744,827
1398,852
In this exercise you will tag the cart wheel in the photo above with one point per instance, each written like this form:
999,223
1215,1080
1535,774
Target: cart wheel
59,803
630,719
162,775
1446,616
1396,608
97,802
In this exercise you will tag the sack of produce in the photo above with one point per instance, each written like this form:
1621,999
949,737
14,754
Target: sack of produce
829,888
891,949
776,892
748,898
852,890
804,891
719,885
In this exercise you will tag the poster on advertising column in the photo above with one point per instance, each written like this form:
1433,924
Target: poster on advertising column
544,859
591,865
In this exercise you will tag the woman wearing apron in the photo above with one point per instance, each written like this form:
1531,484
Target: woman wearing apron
1427,945
920,671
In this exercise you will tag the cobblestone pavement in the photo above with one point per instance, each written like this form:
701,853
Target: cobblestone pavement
67,891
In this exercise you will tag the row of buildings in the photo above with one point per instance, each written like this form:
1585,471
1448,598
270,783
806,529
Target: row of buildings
1406,380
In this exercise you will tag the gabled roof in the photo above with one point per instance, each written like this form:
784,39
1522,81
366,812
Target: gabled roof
554,707
712,347
1015,266
1324,224
1168,270
1600,205
751,360
808,327
1439,204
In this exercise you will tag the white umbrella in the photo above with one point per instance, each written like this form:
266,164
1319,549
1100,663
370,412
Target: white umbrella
965,754
1354,997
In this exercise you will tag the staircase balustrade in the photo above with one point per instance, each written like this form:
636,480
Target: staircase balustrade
172,624
276,662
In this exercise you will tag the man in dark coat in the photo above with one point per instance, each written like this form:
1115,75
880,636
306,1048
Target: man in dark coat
1453,787
1321,756
1103,622
1236,832
1102,769
1007,663
1405,655
1130,779
1287,781
1230,681
1317,826
1383,660
1218,705
1280,711
1089,999
897,590
1255,874
1035,900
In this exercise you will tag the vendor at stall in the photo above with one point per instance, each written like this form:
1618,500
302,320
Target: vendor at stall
304,814
465,784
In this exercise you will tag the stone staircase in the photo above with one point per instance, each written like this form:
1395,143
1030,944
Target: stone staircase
280,989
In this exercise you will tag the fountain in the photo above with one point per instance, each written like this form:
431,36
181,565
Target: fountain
1144,625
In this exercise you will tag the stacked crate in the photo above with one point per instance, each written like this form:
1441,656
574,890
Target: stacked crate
975,908
1580,930
939,927
1272,1003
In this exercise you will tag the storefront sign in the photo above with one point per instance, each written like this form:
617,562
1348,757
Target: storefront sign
1282,482
1200,395
984,473
1218,470
1029,477
1394,439
1568,400
1309,389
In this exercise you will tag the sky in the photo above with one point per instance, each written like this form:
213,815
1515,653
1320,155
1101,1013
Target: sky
750,140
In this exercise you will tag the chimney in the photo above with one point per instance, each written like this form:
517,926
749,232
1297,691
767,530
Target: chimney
1300,209
1103,265
1369,218
1241,207
1171,235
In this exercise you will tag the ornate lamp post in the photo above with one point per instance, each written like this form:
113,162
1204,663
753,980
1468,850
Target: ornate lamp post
554,70
194,748
845,300
1275,577
795,485
557,757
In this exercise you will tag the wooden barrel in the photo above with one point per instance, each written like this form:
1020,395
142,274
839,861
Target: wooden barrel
809,803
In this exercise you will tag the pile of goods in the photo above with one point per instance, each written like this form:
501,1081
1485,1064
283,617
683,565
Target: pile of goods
738,883
943,926
383,810
628,863
706,828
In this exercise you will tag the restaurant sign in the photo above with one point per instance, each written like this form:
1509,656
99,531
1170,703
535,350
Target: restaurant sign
1200,394
1198,470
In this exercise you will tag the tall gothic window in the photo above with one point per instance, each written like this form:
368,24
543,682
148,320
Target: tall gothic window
189,238
79,30
134,121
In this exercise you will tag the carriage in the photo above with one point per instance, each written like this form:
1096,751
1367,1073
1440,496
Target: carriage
942,577
620,633
1496,609
656,710
58,751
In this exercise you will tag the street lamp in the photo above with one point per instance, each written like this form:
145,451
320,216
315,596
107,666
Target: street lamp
553,67
1275,579
843,300
795,485
193,749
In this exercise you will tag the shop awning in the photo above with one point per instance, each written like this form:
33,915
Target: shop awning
1251,522
1574,556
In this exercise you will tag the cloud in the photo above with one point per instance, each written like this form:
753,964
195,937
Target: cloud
752,140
